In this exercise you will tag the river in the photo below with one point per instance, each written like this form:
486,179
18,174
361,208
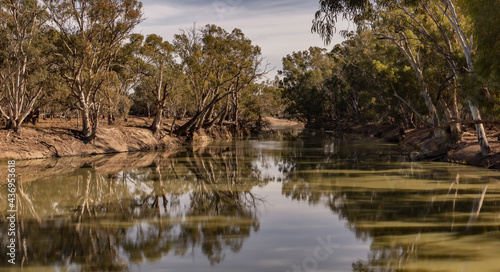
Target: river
287,202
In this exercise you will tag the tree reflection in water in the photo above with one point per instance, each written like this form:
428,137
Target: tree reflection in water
414,215
100,222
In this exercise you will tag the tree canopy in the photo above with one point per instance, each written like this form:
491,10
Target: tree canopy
435,41
62,56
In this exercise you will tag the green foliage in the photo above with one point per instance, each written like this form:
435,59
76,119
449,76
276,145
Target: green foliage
305,85
90,37
219,66
355,81
485,21
23,56
260,100
434,40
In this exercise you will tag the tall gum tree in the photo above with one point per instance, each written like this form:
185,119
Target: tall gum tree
21,78
361,11
91,34
217,64
124,78
161,76
450,13
424,39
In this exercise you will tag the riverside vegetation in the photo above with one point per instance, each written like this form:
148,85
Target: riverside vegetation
411,65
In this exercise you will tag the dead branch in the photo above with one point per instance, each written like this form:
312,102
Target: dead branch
488,95
427,122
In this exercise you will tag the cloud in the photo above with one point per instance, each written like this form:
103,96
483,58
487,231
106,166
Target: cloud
279,27
157,11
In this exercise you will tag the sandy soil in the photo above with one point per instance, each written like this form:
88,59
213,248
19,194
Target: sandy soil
282,123
59,138
468,151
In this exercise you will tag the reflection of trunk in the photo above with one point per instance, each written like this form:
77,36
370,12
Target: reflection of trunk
26,200
476,208
160,195
93,244
211,173
456,182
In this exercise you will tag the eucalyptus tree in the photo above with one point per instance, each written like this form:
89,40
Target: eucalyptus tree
366,75
23,56
91,34
484,17
465,42
217,64
124,77
162,75
355,81
363,12
423,38
411,47
260,100
305,74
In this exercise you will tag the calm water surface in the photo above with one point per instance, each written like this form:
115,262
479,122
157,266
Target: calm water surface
292,203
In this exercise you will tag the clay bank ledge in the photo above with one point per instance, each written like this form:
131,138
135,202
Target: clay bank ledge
38,143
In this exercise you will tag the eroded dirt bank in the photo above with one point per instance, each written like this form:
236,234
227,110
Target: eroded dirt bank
37,143
426,147
60,138
30,170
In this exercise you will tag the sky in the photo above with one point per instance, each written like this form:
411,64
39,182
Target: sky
279,27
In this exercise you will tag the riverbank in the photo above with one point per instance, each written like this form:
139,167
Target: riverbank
58,138
425,147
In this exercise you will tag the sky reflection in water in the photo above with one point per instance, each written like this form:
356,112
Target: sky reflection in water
288,203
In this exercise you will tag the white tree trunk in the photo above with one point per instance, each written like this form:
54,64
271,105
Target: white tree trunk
481,134
466,45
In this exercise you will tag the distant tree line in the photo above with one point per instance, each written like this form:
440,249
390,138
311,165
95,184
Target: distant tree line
416,63
80,57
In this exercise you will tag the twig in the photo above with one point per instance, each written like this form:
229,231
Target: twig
413,109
